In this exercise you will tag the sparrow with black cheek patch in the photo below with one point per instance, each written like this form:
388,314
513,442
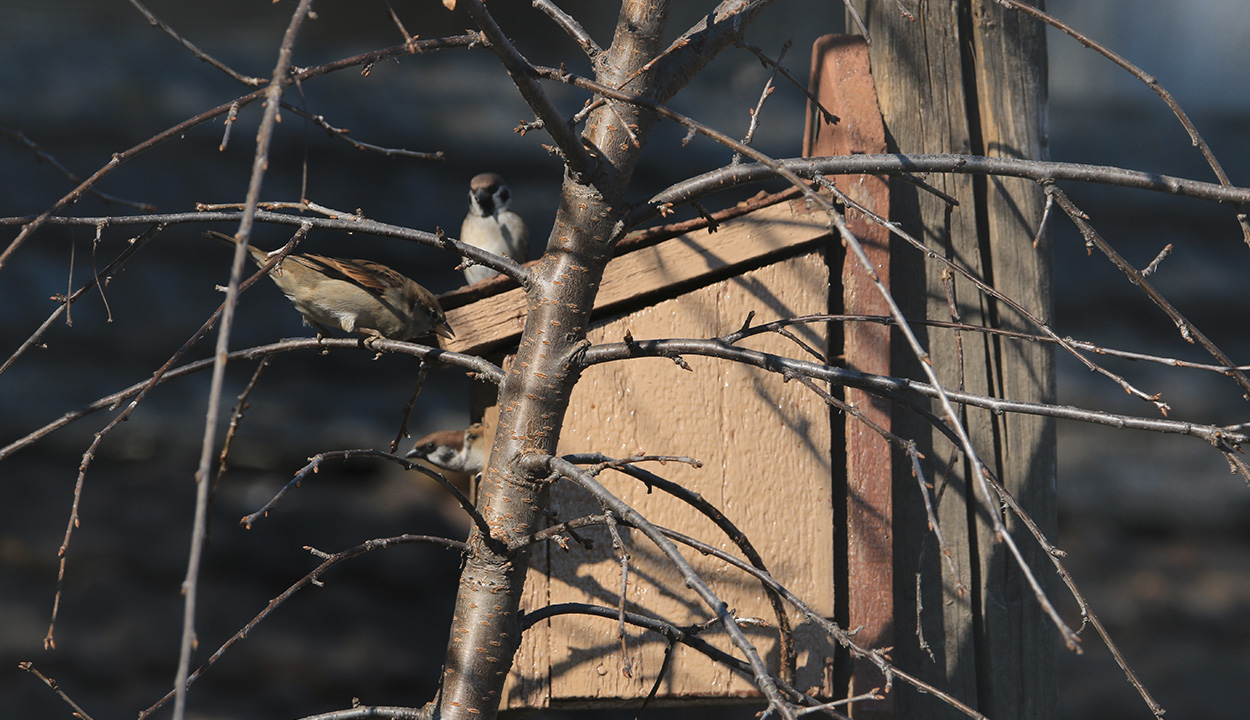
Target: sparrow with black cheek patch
461,451
491,226
358,296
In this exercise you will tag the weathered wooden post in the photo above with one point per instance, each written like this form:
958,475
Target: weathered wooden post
970,77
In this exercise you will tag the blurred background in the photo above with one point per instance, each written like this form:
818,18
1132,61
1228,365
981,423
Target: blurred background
1157,530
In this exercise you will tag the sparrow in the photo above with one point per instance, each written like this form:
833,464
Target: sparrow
461,451
491,226
358,296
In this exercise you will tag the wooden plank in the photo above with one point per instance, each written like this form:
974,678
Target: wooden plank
841,79
631,278
765,448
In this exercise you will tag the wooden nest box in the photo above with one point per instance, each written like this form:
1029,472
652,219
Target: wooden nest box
774,455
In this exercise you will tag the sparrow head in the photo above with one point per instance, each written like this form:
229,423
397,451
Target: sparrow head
425,313
457,450
488,195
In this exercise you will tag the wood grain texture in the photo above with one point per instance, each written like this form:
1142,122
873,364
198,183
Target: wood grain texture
947,83
1020,643
765,449
917,69
654,271
841,78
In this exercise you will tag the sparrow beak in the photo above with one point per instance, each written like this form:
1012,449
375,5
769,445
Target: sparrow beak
444,330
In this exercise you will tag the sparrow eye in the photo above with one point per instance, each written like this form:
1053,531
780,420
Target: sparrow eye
504,195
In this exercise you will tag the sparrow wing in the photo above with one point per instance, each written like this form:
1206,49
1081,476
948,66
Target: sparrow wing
366,274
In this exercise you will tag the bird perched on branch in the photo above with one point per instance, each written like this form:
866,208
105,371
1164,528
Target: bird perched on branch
491,226
461,451
358,296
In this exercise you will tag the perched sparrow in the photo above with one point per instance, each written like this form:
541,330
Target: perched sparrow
358,296
491,226
456,450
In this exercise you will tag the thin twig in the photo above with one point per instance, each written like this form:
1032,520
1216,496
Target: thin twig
33,224
89,455
344,221
545,464
1154,264
759,105
1041,171
373,712
914,456
483,369
831,628
988,290
316,461
78,711
1151,82
343,134
826,117
685,635
1000,332
236,418
311,578
519,69
200,54
629,466
63,303
1087,612
618,544
422,371
713,347
1187,329
409,38
260,163
47,157
570,25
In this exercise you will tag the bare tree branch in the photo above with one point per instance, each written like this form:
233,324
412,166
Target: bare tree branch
198,53
609,352
44,156
316,461
311,578
460,41
629,467
519,69
56,688
731,176
1188,330
1150,82
483,369
199,530
570,25
133,246
540,464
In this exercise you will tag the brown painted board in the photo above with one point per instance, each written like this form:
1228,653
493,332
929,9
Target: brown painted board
842,82
630,278
765,449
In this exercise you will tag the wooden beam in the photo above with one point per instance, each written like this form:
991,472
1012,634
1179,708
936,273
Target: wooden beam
841,80
686,261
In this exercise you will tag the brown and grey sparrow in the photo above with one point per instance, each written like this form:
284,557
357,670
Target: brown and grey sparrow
456,450
358,296
491,226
